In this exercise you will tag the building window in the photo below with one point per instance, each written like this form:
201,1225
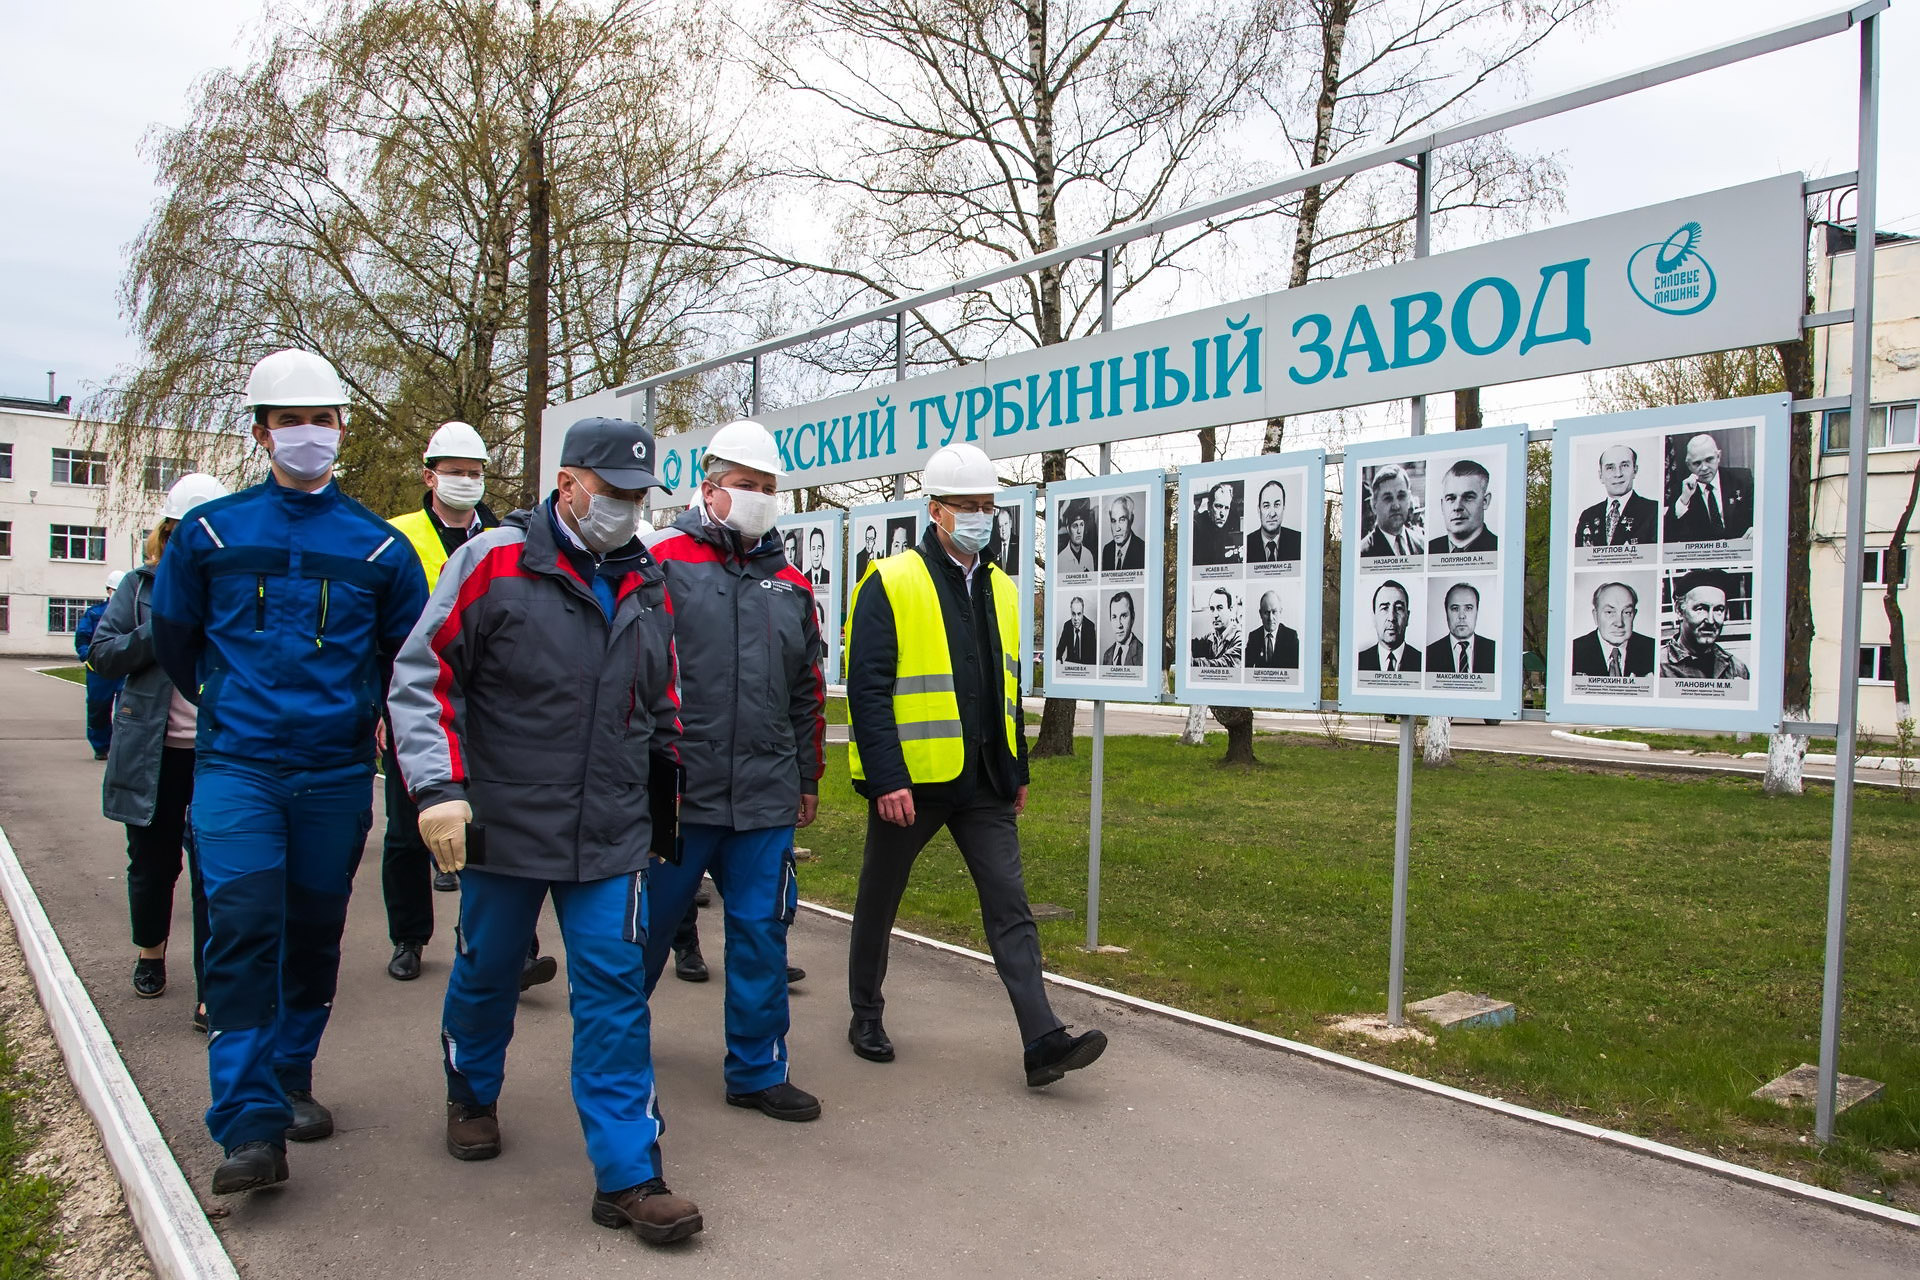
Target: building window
77,542
1889,426
162,472
6,614
6,462
1883,567
64,614
1876,664
80,466
6,538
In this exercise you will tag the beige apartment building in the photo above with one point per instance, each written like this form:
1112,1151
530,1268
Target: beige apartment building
1893,444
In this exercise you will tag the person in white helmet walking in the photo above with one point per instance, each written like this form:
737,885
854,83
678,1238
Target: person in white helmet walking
149,776
277,611
452,511
754,729
933,696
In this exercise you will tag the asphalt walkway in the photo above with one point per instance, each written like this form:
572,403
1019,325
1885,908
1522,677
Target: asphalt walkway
1182,1154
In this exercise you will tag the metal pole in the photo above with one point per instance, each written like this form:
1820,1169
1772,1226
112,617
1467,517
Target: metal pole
1847,711
650,395
899,375
1403,794
1096,802
756,386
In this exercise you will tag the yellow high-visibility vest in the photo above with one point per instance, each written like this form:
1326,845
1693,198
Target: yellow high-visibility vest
424,534
926,707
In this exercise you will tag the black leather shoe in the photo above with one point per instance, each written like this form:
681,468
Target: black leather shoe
869,1040
446,881
250,1166
1056,1053
690,965
794,974
703,896
538,969
200,1018
311,1120
150,978
783,1101
405,965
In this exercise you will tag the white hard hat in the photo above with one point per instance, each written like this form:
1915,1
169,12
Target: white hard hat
113,579
294,379
747,443
456,440
959,469
188,492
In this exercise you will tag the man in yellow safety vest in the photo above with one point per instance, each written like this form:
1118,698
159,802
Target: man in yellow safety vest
933,694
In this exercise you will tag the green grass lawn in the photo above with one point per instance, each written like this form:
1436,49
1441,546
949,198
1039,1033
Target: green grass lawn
28,1202
78,675
1661,937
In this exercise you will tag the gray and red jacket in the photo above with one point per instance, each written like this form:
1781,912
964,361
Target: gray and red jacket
541,688
754,704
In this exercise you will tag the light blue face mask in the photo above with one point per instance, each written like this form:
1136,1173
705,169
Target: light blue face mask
971,530
305,452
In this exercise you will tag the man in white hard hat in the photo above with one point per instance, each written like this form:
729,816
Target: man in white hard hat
277,611
451,511
101,691
754,716
933,694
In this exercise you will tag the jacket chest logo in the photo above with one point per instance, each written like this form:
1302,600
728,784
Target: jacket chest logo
774,584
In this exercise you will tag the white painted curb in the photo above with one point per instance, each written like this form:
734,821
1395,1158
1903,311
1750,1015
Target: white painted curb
1620,744
1646,1146
172,1224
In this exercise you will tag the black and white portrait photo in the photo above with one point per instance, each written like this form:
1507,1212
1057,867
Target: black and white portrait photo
1123,547
1120,642
1710,629
1460,644
1216,524
1271,644
1216,644
900,534
1390,623
791,541
1709,489
1616,512
1271,540
1619,645
1003,546
1074,538
816,563
867,548
1078,643
1391,519
1464,499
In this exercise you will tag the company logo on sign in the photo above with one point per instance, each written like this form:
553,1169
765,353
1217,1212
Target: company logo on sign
1671,276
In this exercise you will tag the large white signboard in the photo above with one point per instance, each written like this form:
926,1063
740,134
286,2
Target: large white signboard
1669,566
812,541
1705,273
1104,575
1434,560
1249,563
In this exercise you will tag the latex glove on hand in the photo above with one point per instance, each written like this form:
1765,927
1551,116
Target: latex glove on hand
443,827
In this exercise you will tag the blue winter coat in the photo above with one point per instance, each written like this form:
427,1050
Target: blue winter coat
278,612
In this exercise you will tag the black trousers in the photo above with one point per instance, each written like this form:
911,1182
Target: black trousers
154,855
989,839
406,868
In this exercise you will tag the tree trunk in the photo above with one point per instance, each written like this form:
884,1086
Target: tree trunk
1437,742
1195,734
1238,722
1466,409
1786,752
1894,559
539,283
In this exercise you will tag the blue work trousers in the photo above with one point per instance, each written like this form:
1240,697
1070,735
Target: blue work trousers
603,923
277,850
100,695
753,871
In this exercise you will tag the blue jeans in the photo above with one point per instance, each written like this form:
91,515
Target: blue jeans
603,923
753,870
277,852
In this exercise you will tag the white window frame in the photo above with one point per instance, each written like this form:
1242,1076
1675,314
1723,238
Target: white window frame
6,539
92,533
72,609
6,460
1873,567
1882,660
6,614
1885,412
160,472
90,458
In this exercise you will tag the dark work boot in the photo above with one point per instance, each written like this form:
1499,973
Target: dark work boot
794,974
783,1101
1056,1053
473,1133
538,969
654,1213
690,965
150,977
311,1121
405,965
250,1166
869,1039
446,882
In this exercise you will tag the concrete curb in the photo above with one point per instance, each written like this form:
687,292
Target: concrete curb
1632,1142
1619,744
172,1225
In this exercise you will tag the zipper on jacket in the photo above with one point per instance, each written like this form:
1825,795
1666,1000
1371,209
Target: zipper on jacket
260,603
320,633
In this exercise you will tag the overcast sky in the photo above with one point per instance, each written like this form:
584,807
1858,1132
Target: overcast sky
86,82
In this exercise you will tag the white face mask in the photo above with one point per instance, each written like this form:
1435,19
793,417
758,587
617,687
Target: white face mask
305,452
971,530
462,493
610,523
749,513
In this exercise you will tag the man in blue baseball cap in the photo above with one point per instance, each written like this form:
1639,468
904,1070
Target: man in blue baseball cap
537,720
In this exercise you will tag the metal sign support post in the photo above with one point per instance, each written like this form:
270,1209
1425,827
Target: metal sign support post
650,399
1847,713
754,369
1403,792
899,375
1098,798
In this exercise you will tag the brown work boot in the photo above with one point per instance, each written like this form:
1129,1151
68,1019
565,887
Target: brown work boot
656,1214
473,1133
